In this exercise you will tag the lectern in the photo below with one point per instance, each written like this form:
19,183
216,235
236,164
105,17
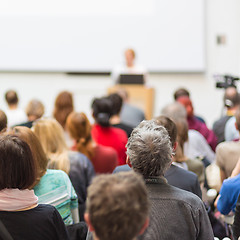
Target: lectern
139,95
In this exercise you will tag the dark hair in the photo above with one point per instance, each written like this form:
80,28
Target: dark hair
11,97
117,102
102,110
17,165
63,107
170,127
181,92
3,120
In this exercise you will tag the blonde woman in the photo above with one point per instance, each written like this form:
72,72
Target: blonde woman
76,165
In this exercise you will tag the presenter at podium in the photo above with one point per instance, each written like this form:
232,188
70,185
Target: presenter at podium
128,68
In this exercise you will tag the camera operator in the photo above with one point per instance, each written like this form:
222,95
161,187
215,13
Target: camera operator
231,101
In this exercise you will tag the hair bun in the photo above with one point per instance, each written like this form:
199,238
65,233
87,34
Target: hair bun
103,119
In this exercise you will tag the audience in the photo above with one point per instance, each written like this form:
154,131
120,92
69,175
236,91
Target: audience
76,165
175,213
130,115
117,207
103,158
194,123
175,175
227,153
59,157
116,109
231,101
62,108
34,111
103,133
53,186
14,114
20,212
196,146
180,92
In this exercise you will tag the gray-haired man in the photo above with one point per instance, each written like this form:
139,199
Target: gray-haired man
175,213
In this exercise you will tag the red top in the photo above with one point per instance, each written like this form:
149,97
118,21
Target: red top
112,137
105,159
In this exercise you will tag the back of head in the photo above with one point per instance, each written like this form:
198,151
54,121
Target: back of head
51,135
17,165
116,103
170,127
63,107
31,139
11,97
149,149
181,92
102,111
79,128
174,111
35,109
231,97
3,120
117,205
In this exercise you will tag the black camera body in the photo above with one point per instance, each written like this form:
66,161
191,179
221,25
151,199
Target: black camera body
225,81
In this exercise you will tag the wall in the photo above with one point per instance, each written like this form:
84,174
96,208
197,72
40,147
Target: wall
222,17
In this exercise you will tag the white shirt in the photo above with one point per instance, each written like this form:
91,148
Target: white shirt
197,146
123,69
15,116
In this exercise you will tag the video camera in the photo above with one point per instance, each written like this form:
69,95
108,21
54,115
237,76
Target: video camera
225,81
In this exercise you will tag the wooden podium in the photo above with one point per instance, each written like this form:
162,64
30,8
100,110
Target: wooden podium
139,96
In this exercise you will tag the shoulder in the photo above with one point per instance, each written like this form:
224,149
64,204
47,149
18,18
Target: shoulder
165,191
225,146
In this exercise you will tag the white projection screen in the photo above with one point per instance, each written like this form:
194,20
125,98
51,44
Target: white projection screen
91,35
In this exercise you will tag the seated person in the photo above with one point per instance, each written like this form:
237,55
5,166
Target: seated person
227,153
75,164
231,102
194,123
15,115
34,111
130,114
20,212
117,207
227,199
129,67
184,92
102,131
103,158
116,110
175,213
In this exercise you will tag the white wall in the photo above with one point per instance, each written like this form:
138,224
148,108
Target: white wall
222,17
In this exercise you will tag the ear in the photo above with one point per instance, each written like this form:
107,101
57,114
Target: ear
87,219
175,146
145,225
128,162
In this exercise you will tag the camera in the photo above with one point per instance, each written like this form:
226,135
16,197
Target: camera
225,81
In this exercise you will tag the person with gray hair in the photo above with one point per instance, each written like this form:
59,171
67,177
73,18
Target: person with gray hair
196,146
175,213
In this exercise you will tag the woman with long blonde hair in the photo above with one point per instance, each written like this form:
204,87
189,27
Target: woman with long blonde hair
77,165
104,158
